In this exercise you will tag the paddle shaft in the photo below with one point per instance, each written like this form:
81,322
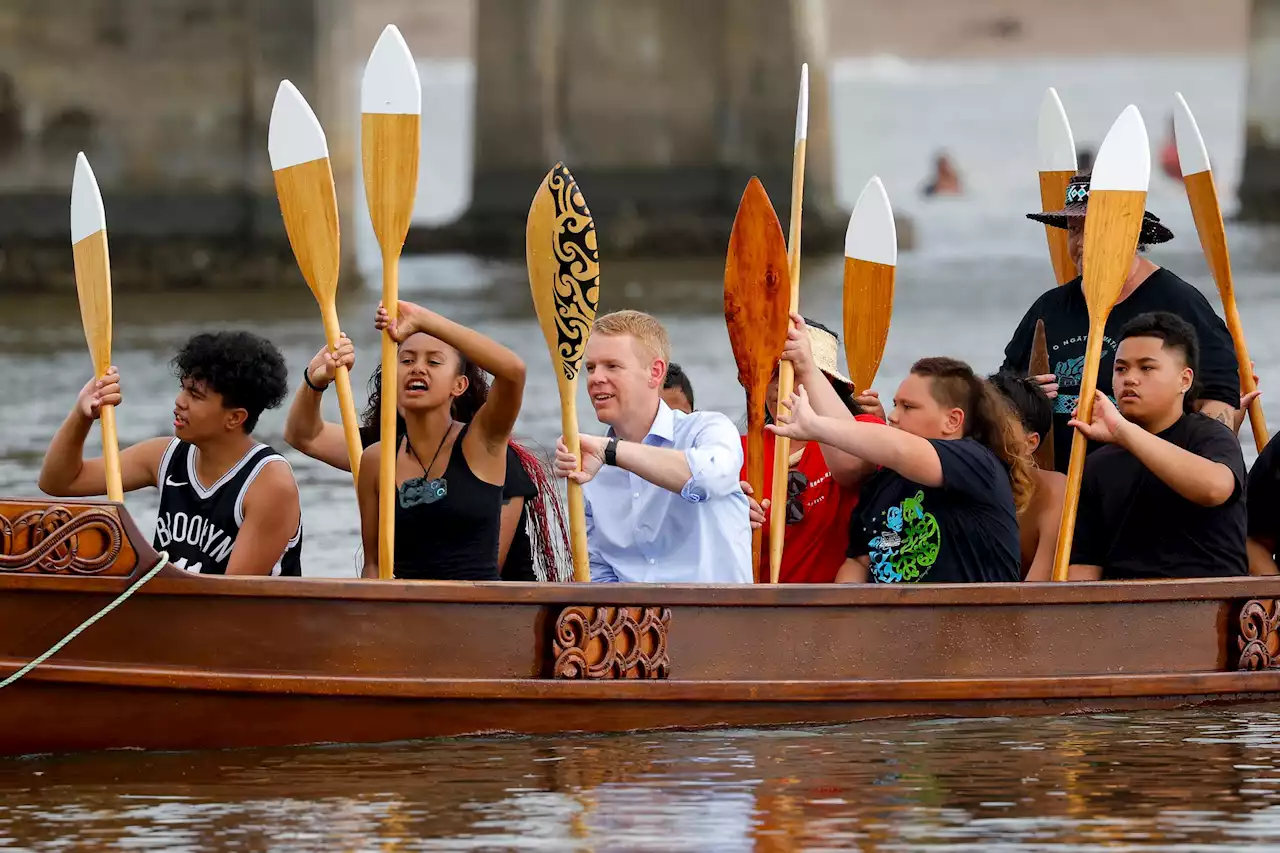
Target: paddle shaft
346,402
755,473
1207,212
576,501
1053,192
786,376
387,417
93,287
1079,444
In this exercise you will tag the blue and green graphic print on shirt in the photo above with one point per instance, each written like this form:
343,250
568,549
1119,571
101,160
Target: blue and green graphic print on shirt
907,544
1071,372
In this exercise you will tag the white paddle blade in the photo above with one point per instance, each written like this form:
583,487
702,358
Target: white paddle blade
1124,158
390,85
1057,145
872,234
88,216
294,135
802,107
1193,157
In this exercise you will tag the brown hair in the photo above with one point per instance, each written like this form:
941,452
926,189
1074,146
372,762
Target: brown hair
642,327
988,419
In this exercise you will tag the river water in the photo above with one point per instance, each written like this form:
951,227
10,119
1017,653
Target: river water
1167,781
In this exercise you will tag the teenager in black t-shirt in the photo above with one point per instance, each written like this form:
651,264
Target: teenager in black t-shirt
956,472
1263,495
1165,497
1148,288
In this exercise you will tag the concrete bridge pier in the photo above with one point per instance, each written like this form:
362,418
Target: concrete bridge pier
662,110
1259,190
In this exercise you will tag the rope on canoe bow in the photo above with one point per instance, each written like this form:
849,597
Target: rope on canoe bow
57,647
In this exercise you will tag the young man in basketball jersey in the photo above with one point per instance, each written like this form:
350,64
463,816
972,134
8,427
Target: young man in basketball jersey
228,504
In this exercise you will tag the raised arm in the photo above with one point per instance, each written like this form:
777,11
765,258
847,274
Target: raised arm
848,470
1202,481
910,455
497,417
305,430
67,474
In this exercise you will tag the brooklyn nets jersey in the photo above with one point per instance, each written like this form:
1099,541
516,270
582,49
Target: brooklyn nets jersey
198,526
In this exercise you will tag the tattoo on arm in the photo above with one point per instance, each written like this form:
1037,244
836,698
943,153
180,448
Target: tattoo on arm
1224,418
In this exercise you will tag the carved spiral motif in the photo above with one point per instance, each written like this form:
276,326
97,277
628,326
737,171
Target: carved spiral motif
52,538
1259,635
577,285
612,643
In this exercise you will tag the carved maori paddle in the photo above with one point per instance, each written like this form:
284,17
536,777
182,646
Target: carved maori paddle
563,263
1117,199
93,286
1057,165
1193,158
870,264
309,206
786,374
756,293
1039,366
390,127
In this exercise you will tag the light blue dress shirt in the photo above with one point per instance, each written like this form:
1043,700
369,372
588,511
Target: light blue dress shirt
641,533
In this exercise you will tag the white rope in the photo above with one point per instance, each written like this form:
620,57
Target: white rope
164,559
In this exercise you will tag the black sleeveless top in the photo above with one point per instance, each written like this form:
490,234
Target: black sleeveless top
198,526
456,537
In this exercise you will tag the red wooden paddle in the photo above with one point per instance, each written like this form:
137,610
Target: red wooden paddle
757,296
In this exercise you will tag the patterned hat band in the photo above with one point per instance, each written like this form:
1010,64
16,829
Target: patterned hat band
1077,203
1077,193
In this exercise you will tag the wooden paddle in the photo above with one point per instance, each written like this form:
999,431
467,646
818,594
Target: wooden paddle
563,262
1039,366
304,185
786,373
1117,199
1057,165
93,286
870,263
1202,193
390,127
757,293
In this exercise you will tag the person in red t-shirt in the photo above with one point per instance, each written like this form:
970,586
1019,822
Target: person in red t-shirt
823,483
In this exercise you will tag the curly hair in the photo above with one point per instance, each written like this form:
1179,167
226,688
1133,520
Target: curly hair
988,419
248,371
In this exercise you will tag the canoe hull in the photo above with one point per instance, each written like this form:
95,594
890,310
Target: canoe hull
192,662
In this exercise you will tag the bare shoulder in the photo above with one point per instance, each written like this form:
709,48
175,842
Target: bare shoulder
1050,489
273,488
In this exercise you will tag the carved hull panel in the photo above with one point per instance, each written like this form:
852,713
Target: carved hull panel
207,662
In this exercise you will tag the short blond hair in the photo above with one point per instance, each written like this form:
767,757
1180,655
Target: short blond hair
643,328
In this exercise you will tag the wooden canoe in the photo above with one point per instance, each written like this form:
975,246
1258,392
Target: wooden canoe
192,662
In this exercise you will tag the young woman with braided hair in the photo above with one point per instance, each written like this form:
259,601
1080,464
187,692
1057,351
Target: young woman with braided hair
955,474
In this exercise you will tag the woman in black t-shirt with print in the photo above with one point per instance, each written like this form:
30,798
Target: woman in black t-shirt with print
955,474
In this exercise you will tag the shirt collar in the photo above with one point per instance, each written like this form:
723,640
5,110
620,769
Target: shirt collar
663,426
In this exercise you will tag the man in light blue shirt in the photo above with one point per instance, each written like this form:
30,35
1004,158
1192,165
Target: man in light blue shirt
664,503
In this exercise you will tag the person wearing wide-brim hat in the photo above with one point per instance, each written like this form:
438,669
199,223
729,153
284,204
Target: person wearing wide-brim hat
1148,287
823,482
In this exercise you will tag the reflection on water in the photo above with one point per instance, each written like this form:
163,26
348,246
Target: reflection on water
1141,781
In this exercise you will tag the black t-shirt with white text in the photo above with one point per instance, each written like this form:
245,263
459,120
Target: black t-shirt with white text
1134,526
1066,326
965,531
1263,495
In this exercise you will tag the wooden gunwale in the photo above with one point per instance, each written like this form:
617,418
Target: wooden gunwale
172,581
516,689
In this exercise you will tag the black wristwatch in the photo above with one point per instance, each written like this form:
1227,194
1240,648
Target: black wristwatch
611,451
